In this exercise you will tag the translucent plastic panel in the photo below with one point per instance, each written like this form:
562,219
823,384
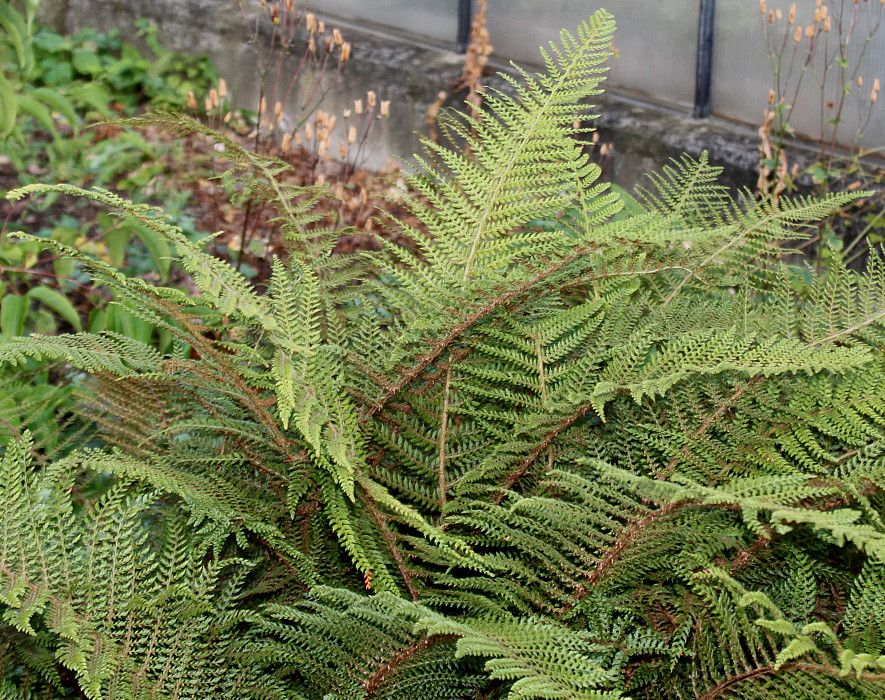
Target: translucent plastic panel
435,19
799,60
656,41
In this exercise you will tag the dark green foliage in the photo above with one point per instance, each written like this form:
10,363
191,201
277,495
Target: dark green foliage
615,454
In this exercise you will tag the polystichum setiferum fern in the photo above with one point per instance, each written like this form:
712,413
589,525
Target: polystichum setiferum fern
564,450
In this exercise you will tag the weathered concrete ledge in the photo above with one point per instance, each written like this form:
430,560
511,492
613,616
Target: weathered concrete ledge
640,137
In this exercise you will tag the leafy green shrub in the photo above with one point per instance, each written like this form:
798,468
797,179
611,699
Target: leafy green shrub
631,454
51,85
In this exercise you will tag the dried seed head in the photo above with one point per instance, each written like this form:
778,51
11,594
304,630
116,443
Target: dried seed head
817,15
290,5
791,17
358,106
331,121
827,24
321,27
771,96
371,99
278,112
346,114
876,84
345,52
191,100
342,150
298,139
336,35
351,135
385,108
859,81
311,45
274,15
763,8
207,103
809,31
797,35
310,21
222,87
262,106
213,96
778,14
287,141
308,131
824,11
771,17
227,117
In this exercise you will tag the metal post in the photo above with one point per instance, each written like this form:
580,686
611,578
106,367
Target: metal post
704,72
465,19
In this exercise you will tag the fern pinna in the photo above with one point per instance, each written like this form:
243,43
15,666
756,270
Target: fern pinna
559,448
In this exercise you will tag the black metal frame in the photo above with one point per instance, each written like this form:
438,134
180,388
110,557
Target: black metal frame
703,104
465,19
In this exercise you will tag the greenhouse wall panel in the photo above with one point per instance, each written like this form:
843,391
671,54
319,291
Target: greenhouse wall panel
435,19
800,60
656,42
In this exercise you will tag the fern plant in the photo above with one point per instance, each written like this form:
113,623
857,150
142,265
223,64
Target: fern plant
625,453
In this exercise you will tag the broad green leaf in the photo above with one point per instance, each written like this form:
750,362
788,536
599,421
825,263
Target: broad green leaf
116,240
60,104
86,61
8,107
59,303
13,309
93,95
17,34
157,247
36,109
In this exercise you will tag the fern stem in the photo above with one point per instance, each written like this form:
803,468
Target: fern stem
725,685
428,358
543,386
390,540
252,402
546,444
627,536
708,423
541,110
863,324
380,675
443,435
244,233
